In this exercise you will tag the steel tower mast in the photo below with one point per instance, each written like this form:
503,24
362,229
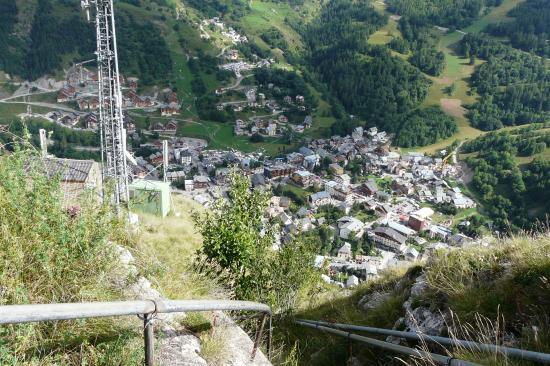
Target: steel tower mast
111,120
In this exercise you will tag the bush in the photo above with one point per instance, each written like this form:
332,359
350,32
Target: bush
237,243
257,138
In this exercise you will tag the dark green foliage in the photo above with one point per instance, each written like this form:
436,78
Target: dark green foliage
237,244
379,90
65,139
447,13
213,8
142,49
284,83
508,192
399,44
343,127
530,29
257,138
514,86
368,81
344,24
250,49
11,56
51,37
425,126
141,46
275,39
429,60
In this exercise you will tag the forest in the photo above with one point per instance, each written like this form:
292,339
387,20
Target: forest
530,29
445,13
514,196
367,80
514,86
64,138
142,49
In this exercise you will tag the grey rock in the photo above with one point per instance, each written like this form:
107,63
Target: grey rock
420,286
374,299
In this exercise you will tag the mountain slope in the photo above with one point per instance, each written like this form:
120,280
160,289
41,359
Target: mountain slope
498,293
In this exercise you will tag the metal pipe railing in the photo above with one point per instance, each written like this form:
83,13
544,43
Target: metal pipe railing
17,314
438,359
474,346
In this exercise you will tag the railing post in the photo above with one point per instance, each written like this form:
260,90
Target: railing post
259,333
149,339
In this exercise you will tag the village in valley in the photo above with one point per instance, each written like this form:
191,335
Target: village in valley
374,206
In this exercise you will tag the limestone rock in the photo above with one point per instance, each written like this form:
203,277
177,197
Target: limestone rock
374,299
420,286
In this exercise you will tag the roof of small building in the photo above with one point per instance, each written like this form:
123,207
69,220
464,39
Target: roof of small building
69,170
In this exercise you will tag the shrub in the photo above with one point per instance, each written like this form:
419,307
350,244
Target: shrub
237,242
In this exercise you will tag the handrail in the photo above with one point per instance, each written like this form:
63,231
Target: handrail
471,345
438,359
16,314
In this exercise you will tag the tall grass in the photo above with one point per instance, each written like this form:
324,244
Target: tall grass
49,253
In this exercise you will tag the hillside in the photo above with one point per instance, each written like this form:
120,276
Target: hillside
162,42
494,294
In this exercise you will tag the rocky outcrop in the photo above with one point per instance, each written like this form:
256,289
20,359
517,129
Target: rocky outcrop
374,299
178,346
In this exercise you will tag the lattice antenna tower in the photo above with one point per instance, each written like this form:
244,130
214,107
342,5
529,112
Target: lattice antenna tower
111,120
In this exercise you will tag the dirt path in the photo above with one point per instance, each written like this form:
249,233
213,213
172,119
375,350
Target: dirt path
453,107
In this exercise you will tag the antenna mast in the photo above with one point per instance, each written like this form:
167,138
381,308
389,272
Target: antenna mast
111,122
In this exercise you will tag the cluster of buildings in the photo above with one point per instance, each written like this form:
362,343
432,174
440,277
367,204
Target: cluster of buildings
385,202
231,34
239,67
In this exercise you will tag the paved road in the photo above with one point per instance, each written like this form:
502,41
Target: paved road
47,105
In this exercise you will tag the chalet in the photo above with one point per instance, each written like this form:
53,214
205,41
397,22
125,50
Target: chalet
320,199
93,103
411,254
350,228
303,178
279,170
344,252
157,127
369,188
83,104
132,83
388,239
338,191
200,182
173,100
295,158
169,111
69,120
271,129
438,231
336,169
300,99
65,94
185,157
91,121
171,128
176,176
283,119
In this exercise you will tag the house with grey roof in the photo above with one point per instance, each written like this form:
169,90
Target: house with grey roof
75,176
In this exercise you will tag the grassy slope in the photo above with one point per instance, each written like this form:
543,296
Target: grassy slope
172,242
507,279
457,72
